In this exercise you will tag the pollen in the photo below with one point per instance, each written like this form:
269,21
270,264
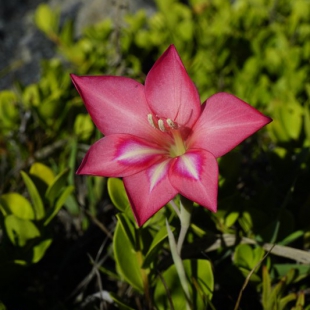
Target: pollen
161,125
172,124
151,121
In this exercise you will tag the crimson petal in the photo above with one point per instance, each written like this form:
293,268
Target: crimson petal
170,91
224,123
148,191
195,176
116,104
119,155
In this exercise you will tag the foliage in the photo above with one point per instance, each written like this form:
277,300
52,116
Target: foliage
258,50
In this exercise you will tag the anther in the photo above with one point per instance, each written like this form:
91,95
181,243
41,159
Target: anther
161,125
151,121
172,124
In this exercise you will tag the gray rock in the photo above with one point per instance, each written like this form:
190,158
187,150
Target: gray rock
23,46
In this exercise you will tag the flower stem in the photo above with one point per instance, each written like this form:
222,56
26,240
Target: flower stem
179,266
184,214
175,207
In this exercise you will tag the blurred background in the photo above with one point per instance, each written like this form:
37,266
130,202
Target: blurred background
56,228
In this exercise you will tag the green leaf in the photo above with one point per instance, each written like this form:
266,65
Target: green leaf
243,256
292,237
252,219
59,203
55,188
283,269
247,258
8,110
120,304
285,300
159,238
83,126
307,124
128,261
128,227
276,293
20,262
31,96
40,249
35,197
2,306
277,131
67,32
43,172
231,218
46,19
291,119
200,274
266,287
14,203
118,194
20,231
301,299
72,206
254,277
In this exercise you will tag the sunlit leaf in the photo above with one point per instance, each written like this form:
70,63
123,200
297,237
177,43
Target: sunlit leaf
37,202
20,231
266,286
83,126
128,227
46,19
56,187
128,261
118,194
14,203
43,172
59,203
40,249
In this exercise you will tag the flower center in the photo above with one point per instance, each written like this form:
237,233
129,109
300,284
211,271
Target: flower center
177,147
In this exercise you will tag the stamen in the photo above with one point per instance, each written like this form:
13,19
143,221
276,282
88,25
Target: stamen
171,124
161,125
151,121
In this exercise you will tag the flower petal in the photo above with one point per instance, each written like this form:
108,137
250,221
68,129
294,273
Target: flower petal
115,104
195,176
120,155
148,191
170,91
224,123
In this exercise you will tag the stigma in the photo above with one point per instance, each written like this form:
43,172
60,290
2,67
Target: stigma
163,124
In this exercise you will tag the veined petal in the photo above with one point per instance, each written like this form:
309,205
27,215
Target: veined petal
120,155
148,191
195,176
115,104
170,92
224,123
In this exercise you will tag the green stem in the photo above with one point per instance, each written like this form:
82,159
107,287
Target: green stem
179,266
185,215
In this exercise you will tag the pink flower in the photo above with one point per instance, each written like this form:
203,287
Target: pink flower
159,138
